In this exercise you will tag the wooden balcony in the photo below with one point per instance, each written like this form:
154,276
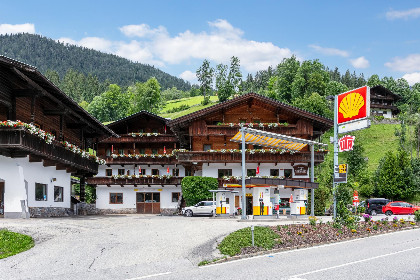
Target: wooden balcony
17,142
228,157
291,183
128,138
108,181
142,160
217,130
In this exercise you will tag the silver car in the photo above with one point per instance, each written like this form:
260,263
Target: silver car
201,208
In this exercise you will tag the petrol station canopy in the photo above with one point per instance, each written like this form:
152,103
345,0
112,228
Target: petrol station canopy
273,140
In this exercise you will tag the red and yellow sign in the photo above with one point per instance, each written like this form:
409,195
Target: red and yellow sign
352,105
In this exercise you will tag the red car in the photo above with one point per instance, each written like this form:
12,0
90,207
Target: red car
399,208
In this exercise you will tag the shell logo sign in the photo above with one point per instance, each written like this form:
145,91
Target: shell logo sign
352,105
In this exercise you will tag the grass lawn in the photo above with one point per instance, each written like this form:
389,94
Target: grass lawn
193,102
12,243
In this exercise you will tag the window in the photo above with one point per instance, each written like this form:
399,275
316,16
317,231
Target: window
256,121
216,122
242,120
224,172
121,171
152,197
257,147
288,173
155,171
154,151
58,194
188,172
108,172
274,172
108,152
121,151
142,151
128,172
175,196
141,130
115,198
175,172
251,172
155,130
227,200
142,171
206,147
40,192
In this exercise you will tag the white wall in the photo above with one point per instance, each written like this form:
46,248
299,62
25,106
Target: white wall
162,170
129,196
15,171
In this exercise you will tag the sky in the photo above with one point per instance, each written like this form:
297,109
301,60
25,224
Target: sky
369,37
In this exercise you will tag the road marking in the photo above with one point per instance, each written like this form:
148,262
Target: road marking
355,262
302,249
150,276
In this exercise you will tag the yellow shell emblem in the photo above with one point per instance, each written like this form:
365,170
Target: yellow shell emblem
351,104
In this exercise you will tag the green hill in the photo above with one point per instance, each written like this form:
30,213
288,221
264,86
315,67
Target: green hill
47,54
191,104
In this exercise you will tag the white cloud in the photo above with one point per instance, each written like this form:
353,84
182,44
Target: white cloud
410,63
329,51
189,76
407,14
17,28
360,62
156,46
412,78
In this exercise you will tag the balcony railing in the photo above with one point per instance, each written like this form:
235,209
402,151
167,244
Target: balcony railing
17,142
108,181
207,157
232,130
128,138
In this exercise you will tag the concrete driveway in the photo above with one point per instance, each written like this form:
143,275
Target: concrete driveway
117,246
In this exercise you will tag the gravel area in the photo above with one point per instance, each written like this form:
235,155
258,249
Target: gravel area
117,246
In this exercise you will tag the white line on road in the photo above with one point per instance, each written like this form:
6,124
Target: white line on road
355,262
150,276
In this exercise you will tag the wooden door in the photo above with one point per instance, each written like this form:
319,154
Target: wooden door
237,204
1,199
148,203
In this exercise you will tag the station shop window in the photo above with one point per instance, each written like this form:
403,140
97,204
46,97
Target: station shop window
155,171
175,196
58,194
121,171
115,198
288,173
108,172
251,172
224,172
40,192
175,172
206,147
274,172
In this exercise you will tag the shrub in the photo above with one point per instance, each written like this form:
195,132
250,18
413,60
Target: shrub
196,188
264,237
312,220
417,216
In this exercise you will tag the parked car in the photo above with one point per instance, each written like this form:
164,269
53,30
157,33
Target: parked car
400,208
374,205
201,208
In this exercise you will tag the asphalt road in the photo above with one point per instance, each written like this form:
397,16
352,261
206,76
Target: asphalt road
155,247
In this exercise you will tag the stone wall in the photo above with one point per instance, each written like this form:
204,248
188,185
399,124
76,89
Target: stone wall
46,212
168,211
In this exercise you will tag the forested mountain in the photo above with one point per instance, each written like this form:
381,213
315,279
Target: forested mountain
47,54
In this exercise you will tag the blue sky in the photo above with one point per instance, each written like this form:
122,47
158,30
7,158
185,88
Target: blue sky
370,37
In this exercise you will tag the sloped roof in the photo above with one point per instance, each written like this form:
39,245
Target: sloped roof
47,86
134,116
379,88
325,122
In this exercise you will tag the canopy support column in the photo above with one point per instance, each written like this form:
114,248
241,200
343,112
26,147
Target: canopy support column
312,180
243,175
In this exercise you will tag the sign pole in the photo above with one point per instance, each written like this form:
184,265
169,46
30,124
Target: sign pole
335,143
312,180
243,176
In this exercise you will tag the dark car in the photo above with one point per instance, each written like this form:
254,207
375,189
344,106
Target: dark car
374,205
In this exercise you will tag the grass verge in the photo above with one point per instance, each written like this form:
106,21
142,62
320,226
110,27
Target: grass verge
12,243
264,237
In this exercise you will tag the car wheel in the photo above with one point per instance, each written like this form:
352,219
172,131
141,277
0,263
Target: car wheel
373,212
188,213
388,213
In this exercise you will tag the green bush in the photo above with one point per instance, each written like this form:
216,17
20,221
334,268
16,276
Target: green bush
417,216
196,188
264,237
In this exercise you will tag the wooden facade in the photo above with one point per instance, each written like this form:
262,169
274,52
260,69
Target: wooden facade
26,95
383,100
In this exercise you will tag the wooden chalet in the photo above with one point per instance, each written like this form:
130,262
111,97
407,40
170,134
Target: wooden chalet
139,164
45,132
383,102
